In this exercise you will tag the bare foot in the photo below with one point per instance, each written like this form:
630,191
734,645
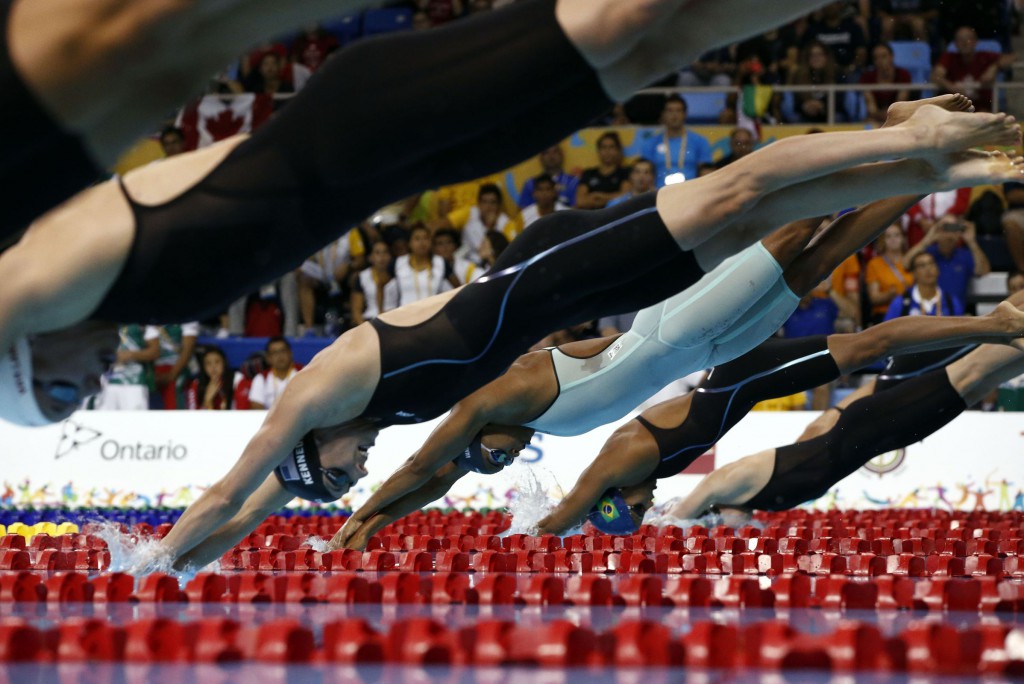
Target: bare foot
1010,319
948,132
975,167
899,112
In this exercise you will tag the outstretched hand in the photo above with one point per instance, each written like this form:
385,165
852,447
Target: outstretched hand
343,538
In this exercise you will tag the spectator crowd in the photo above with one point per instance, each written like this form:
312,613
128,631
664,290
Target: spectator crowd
925,264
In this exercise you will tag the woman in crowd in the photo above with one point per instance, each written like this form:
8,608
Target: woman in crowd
420,273
885,277
216,386
817,67
375,289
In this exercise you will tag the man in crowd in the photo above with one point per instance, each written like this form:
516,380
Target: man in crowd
677,153
268,386
552,162
925,298
957,263
969,71
546,200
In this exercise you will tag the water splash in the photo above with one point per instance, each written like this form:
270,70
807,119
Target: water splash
530,501
318,544
141,556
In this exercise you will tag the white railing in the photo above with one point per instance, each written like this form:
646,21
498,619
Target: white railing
833,91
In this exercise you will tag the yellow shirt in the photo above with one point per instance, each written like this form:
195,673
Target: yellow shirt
462,195
794,402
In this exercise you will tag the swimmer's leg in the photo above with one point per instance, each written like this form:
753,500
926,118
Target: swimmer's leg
858,186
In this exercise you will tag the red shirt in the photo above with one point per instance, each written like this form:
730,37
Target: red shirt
884,98
958,71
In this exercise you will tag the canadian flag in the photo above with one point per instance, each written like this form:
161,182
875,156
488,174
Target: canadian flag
216,117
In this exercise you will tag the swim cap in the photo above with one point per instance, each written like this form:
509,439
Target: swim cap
18,403
301,474
480,459
611,514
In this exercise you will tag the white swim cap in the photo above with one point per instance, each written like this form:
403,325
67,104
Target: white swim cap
17,399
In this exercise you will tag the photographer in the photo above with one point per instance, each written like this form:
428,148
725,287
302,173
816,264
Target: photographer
957,263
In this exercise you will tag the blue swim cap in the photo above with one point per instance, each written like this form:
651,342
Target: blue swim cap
611,515
480,459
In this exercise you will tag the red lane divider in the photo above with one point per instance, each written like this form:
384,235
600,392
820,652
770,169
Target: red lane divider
922,648
985,594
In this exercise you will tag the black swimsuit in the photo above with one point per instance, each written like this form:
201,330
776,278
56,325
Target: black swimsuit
381,120
906,366
776,368
887,420
41,164
566,268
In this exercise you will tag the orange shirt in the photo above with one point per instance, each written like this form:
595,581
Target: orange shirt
846,278
889,276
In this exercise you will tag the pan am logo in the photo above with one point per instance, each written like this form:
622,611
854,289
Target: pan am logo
73,436
886,463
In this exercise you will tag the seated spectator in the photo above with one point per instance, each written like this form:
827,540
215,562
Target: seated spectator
268,77
816,67
1013,222
958,263
420,273
545,195
446,243
842,35
128,383
397,239
884,71
923,215
474,222
642,179
767,56
600,184
925,297
312,47
462,196
677,153
968,71
173,374
552,161
906,19
172,141
886,277
210,391
268,386
741,143
375,290
322,276
491,248
715,68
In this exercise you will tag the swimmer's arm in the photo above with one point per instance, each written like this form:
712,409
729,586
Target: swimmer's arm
269,498
601,475
734,484
498,403
298,412
434,489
